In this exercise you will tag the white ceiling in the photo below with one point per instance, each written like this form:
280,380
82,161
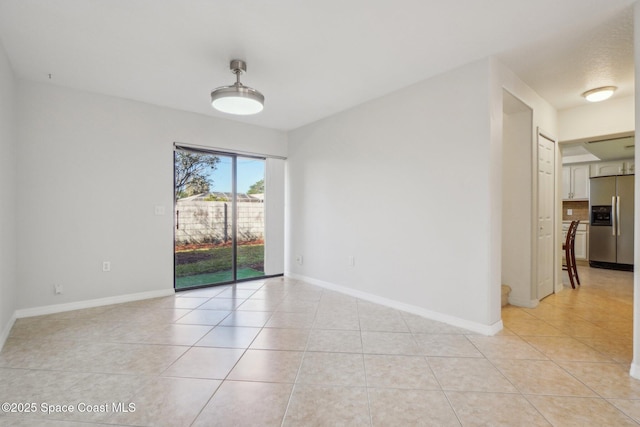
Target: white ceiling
594,149
311,58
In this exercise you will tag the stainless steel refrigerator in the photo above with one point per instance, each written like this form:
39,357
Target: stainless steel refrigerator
611,222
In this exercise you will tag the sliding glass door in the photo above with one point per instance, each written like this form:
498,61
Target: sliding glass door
250,217
219,218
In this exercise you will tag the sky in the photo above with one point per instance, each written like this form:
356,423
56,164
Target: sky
249,172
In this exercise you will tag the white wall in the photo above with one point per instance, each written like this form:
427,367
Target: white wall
8,192
517,203
88,161
616,115
403,184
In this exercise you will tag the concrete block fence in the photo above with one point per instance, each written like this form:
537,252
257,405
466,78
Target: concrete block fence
199,221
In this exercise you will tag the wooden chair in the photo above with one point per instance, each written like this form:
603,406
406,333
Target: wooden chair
570,254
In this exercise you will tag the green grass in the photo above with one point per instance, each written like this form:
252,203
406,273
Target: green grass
212,278
208,266
213,260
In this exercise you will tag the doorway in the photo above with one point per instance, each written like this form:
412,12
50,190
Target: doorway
219,207
518,215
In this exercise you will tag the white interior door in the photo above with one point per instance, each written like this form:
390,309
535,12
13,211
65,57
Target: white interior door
546,198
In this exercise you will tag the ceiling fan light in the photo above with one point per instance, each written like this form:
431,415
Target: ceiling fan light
237,99
599,94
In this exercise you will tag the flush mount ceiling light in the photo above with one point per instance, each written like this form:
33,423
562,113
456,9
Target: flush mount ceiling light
599,94
237,98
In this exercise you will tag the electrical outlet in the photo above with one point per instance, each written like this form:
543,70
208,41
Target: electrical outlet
159,210
57,289
106,266
299,259
569,212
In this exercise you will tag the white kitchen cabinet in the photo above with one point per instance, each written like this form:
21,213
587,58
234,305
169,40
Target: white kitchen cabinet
566,182
575,182
618,167
580,244
630,167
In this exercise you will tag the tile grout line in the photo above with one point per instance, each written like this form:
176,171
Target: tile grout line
561,368
366,377
519,391
295,380
232,368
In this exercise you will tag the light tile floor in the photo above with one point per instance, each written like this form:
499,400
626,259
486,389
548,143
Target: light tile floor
281,352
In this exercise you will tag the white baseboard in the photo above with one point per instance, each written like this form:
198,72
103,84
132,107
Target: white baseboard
423,312
634,371
523,302
59,308
7,330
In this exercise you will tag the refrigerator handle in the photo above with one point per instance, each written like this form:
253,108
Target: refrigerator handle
618,213
613,215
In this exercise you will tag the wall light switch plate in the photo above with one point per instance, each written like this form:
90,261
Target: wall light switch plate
569,211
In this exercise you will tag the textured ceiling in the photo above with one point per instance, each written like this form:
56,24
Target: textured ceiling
310,58
561,68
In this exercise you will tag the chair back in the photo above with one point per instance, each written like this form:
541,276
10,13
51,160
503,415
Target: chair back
571,234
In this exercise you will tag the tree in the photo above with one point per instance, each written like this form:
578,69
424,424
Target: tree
197,185
257,188
192,172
